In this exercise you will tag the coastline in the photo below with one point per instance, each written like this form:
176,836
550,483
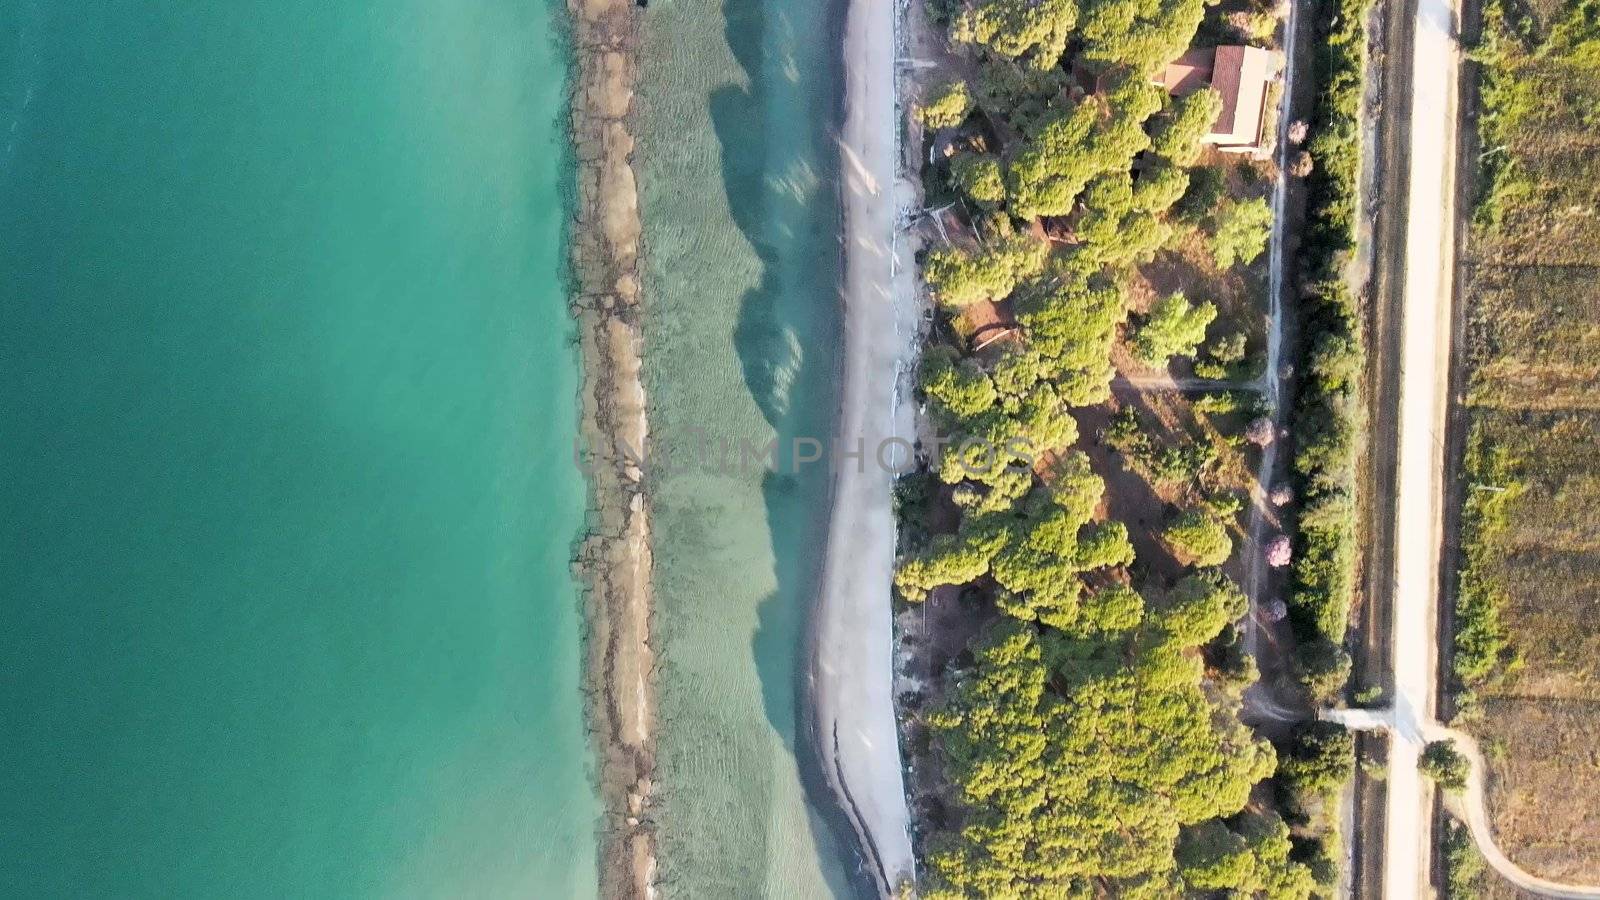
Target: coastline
852,641
614,561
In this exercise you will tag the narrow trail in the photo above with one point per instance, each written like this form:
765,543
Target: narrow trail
1270,384
1165,381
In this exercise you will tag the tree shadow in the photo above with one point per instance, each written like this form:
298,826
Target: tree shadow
779,175
768,348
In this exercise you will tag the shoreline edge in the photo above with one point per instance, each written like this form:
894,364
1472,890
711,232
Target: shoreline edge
851,676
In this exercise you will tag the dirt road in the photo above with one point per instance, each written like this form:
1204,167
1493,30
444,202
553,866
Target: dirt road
1419,481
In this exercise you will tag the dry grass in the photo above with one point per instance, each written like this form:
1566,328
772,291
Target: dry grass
1541,818
1535,336
1532,295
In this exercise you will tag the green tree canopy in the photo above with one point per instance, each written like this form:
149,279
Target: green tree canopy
959,388
1320,760
962,277
946,106
1071,323
1020,97
1079,775
1446,765
1099,134
1139,34
1211,857
1160,186
1251,862
1199,535
1242,232
978,175
1198,606
949,559
1033,31
1175,327
1177,138
1036,552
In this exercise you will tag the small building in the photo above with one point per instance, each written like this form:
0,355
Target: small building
1241,75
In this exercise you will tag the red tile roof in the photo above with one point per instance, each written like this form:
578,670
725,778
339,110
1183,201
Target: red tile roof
1240,75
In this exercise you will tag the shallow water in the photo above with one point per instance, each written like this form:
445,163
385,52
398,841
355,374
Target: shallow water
739,192
288,414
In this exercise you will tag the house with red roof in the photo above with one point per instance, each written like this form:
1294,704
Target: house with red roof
1242,76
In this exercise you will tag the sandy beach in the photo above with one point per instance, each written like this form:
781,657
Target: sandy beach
615,561
851,680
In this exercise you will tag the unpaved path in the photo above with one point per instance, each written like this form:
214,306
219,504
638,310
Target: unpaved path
1472,807
1259,698
1419,492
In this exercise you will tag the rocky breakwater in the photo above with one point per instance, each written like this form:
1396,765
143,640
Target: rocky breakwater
615,558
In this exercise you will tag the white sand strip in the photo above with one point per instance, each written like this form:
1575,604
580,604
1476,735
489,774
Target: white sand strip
852,672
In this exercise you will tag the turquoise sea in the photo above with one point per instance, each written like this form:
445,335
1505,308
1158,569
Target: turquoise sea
739,177
287,400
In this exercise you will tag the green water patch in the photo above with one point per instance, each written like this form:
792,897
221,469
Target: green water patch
740,197
289,406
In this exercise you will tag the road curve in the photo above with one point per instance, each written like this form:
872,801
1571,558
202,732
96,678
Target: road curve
1472,807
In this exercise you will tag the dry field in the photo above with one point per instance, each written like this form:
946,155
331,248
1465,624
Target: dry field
1531,543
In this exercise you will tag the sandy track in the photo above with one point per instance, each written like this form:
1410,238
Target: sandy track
1424,367
852,671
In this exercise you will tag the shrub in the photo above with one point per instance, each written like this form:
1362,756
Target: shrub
1483,647
1446,765
1220,404
1463,864
1261,431
1279,551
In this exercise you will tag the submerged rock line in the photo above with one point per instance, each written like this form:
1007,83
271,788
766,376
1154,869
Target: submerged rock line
615,560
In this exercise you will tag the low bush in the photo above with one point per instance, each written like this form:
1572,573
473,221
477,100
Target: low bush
1446,765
